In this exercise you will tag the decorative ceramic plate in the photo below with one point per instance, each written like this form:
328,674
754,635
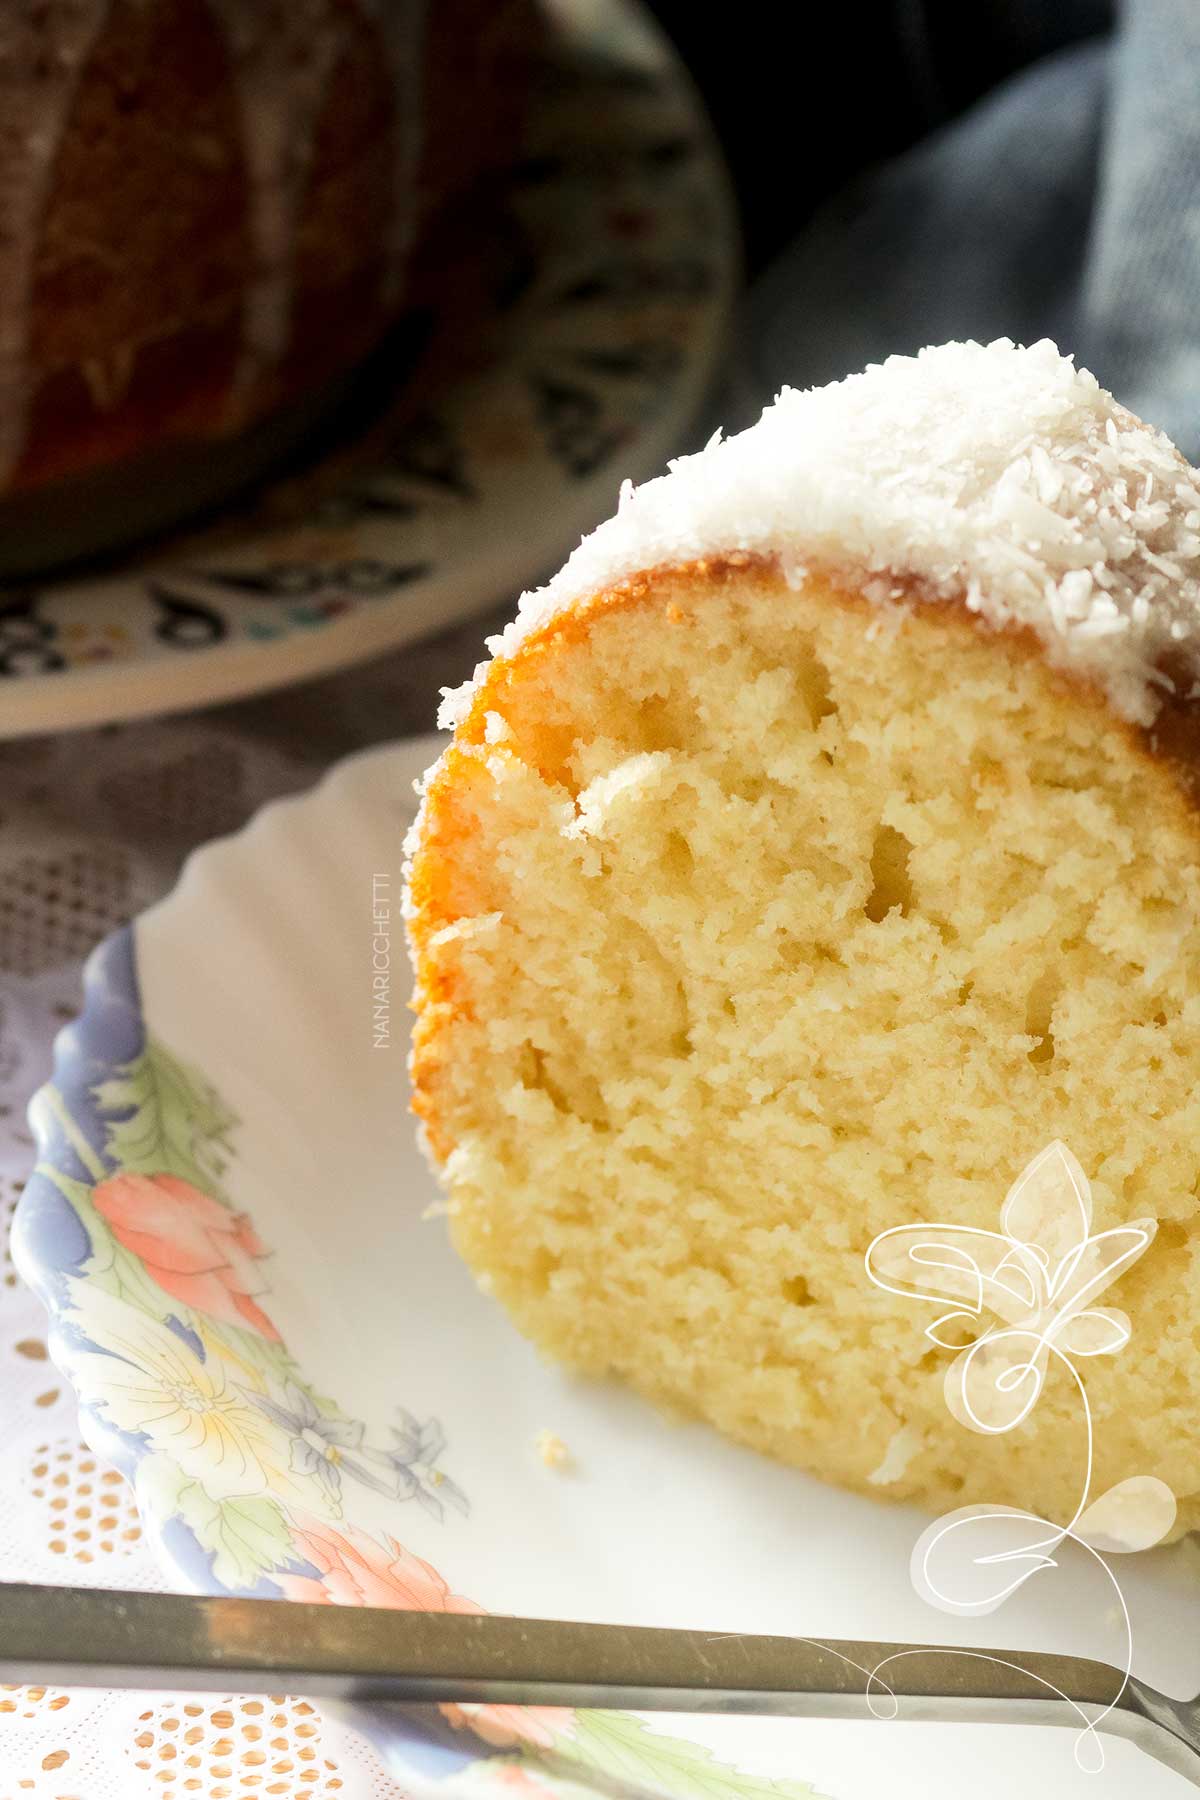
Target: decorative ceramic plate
604,325
267,1330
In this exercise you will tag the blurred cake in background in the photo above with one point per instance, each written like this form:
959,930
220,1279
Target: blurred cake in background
208,213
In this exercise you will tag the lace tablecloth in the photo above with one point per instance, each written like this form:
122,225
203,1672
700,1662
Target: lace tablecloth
93,828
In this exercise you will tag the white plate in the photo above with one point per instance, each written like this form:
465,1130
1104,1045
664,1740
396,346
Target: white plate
591,366
232,1042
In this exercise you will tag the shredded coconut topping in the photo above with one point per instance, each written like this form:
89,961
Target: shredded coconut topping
992,473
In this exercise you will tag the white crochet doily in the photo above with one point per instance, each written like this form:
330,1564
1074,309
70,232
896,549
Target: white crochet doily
93,827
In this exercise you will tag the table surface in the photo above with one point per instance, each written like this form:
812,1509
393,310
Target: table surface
93,828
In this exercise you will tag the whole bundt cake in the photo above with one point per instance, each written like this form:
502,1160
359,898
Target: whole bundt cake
820,845
208,213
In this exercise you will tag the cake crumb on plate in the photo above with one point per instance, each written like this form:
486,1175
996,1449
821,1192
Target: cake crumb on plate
553,1452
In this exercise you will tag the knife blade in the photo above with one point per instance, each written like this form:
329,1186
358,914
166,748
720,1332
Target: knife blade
73,1637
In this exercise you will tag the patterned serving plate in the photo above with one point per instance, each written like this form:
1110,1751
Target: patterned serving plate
268,1333
601,329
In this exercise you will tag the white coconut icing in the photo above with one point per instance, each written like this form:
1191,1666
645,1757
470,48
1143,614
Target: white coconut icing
992,473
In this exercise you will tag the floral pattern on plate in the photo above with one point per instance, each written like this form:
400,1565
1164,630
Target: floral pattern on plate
159,1290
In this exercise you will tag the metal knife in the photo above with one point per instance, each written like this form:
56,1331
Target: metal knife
75,1637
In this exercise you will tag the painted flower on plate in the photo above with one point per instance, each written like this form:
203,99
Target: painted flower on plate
510,1727
357,1570
354,1569
413,1466
146,1378
197,1250
319,1443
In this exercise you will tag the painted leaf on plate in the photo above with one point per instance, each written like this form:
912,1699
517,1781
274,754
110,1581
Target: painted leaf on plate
620,1745
164,1118
249,1536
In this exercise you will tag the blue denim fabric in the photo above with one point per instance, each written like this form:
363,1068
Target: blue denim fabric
1066,204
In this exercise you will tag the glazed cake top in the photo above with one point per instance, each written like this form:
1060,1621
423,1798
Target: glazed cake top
994,474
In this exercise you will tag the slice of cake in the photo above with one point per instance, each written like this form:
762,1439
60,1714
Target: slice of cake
817,847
